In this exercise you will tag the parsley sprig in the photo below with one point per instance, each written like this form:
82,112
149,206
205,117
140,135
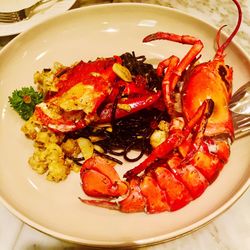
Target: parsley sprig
23,101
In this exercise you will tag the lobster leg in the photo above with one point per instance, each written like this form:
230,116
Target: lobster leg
128,106
173,78
185,39
171,64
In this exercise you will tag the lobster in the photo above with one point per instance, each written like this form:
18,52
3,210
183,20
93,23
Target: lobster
85,94
198,144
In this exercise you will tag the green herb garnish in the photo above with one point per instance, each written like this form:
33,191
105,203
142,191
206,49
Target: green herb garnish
23,101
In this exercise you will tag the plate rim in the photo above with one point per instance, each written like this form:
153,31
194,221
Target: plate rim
20,25
141,242
150,240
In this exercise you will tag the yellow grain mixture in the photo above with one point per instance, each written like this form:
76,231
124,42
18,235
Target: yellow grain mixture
53,155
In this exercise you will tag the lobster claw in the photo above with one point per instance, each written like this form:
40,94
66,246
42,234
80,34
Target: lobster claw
81,91
128,106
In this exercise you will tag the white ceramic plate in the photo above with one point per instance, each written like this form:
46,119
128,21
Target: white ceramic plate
87,33
43,12
15,5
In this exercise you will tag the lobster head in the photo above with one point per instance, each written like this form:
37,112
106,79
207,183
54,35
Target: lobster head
210,80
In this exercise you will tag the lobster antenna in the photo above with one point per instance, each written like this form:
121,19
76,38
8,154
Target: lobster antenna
229,39
218,35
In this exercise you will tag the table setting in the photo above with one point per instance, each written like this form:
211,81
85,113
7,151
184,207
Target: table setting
38,38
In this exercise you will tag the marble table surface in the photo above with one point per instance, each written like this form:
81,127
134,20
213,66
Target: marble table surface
230,231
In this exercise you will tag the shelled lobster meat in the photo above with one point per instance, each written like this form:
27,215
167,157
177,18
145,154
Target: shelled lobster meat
197,147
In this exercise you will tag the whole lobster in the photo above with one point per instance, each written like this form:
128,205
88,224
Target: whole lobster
197,147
